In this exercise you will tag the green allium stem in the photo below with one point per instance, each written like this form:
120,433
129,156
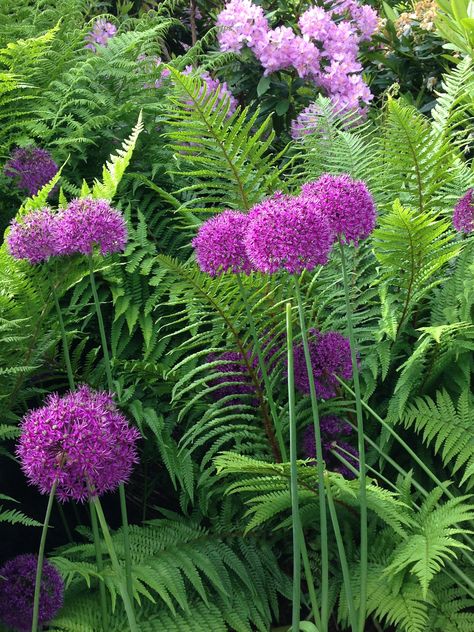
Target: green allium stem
310,581
110,385
39,566
342,558
127,600
263,368
320,466
364,545
100,566
295,510
67,357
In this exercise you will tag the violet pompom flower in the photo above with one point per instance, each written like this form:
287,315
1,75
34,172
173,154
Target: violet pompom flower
234,379
332,429
80,440
463,215
100,34
17,589
287,233
347,204
32,167
34,236
219,244
330,357
86,223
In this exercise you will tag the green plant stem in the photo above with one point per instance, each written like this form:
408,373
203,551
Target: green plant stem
62,515
127,600
310,582
263,368
110,384
320,466
39,566
100,566
342,558
360,445
67,357
295,510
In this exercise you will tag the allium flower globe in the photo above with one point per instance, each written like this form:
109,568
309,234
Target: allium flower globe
17,589
234,379
287,233
332,429
330,357
86,223
347,204
32,167
463,216
81,440
34,236
219,244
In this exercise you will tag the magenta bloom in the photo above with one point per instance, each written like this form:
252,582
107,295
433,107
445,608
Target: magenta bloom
17,589
234,377
463,215
32,167
330,356
287,233
100,34
219,244
80,440
34,237
346,203
332,429
86,223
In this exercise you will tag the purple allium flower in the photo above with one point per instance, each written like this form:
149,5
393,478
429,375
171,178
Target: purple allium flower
234,378
346,203
17,589
86,223
330,356
80,440
34,236
287,233
33,167
463,215
100,34
219,244
332,428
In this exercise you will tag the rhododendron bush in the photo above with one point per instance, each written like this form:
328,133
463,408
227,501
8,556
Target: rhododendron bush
236,317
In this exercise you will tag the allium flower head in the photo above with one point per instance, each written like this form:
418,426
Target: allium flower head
80,440
234,378
219,244
33,167
332,429
330,357
17,589
86,223
100,34
347,204
34,236
463,216
287,233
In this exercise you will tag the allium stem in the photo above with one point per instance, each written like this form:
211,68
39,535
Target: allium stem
67,357
360,446
310,582
342,558
100,566
263,368
39,567
319,464
295,510
110,385
127,600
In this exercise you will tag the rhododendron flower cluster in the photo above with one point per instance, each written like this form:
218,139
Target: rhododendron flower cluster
17,589
100,34
330,357
332,429
324,53
32,167
80,441
84,224
463,215
346,203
